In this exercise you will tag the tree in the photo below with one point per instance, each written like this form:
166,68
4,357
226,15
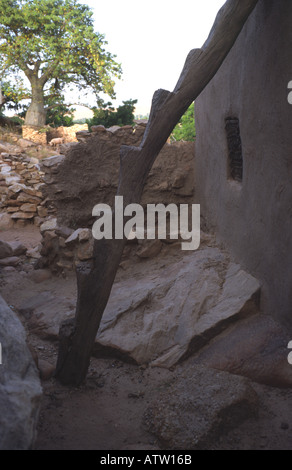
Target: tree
107,116
95,280
185,129
53,43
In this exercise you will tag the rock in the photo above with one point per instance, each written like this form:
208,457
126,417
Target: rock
254,347
46,369
28,207
151,250
17,187
52,161
50,224
25,143
34,252
18,248
5,221
64,232
74,237
177,308
5,249
11,261
198,406
85,250
42,211
12,180
85,234
40,275
98,129
20,389
22,215
27,198
9,269
44,312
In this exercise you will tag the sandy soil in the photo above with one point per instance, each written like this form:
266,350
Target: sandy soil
106,413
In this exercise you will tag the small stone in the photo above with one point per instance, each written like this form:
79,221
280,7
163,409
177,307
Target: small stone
34,252
5,250
5,221
50,224
85,235
54,160
64,232
9,269
25,143
98,129
18,248
17,187
22,215
85,251
28,207
11,261
46,369
26,198
42,211
74,237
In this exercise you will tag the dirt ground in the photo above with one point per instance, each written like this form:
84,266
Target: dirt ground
106,413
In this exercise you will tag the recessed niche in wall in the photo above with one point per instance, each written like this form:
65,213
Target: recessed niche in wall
235,160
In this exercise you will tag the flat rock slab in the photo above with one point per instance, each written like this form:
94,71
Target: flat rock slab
200,405
174,311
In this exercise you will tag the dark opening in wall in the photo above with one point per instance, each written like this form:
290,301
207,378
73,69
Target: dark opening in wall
234,148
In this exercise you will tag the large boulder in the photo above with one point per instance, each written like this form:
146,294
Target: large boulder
20,389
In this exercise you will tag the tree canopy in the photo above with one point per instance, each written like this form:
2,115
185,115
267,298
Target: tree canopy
54,43
108,117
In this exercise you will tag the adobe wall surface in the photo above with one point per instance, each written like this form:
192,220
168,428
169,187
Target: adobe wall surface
253,218
88,174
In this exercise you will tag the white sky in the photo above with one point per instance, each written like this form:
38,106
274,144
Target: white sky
151,40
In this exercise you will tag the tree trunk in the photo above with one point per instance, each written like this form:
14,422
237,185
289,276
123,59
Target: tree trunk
36,113
94,281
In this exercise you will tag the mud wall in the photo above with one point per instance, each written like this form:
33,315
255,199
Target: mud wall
252,214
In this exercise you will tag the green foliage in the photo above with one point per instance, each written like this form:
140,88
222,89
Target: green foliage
53,41
13,93
108,117
185,129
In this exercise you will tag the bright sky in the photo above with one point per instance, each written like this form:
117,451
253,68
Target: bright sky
151,40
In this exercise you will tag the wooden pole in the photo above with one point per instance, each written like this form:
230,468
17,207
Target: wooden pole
95,280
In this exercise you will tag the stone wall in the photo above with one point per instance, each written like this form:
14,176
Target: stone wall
67,133
252,217
20,184
42,136
34,134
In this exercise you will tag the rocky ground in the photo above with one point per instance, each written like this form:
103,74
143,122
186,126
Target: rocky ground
233,391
